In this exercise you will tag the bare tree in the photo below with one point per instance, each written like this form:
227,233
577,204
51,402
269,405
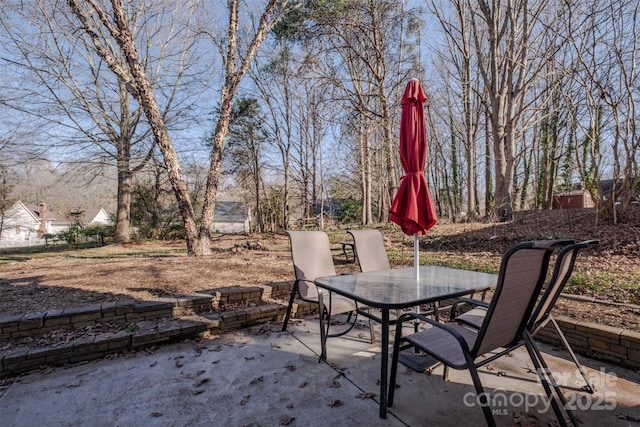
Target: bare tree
358,44
6,186
367,45
246,153
606,48
102,122
504,35
457,55
103,26
275,78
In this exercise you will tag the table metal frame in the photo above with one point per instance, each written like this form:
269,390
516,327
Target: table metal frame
399,289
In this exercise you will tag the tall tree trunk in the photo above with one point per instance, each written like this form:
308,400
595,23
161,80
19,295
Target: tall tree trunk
236,65
125,175
140,88
123,211
392,177
489,200
198,238
363,172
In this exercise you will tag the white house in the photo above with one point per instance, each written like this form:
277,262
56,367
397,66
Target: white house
21,223
26,223
89,216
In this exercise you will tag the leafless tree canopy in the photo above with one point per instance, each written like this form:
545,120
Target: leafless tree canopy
526,99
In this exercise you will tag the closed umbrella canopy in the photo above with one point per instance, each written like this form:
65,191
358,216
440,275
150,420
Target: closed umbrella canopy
412,208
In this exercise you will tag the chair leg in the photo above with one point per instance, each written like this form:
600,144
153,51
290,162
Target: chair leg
482,396
372,331
546,376
445,373
294,291
590,388
325,323
352,324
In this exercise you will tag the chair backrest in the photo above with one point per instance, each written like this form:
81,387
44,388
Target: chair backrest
522,273
565,261
311,254
370,250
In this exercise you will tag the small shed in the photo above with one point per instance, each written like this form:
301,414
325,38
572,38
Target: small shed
577,199
231,217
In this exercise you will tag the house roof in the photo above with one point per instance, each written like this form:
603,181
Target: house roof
571,193
33,214
58,218
90,214
230,212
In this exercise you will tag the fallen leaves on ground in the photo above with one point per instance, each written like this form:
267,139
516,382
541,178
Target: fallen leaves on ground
366,395
257,380
334,383
200,382
178,361
193,375
286,420
526,420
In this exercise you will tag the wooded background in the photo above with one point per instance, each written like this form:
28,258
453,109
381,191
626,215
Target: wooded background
165,107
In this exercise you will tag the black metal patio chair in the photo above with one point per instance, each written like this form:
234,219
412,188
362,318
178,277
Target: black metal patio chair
563,268
311,255
504,327
372,256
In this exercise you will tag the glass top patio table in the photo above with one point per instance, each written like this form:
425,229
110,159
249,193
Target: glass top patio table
399,288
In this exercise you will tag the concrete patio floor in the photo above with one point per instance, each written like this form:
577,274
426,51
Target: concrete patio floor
262,377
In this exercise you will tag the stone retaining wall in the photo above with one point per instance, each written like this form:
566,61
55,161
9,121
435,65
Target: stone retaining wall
144,324
165,320
127,311
615,345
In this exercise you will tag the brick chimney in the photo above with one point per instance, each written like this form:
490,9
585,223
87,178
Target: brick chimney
42,230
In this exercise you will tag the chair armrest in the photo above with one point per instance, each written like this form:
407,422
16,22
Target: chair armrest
474,302
457,335
305,299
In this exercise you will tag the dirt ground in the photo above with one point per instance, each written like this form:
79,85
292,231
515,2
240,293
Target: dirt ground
143,271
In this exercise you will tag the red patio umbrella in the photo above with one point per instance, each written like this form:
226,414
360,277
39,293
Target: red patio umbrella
412,208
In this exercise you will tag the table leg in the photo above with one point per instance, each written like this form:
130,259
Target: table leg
323,334
384,363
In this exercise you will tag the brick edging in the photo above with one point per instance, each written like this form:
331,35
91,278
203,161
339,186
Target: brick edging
156,322
173,319
615,345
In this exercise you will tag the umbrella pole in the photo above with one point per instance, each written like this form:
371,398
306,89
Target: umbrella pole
414,358
416,269
416,255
